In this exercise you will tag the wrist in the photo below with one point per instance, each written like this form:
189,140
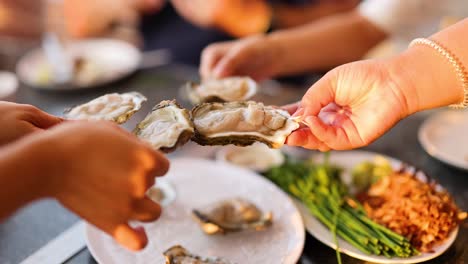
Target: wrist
425,79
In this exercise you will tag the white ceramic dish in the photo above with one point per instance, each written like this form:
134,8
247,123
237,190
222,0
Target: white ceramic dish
200,182
445,137
8,86
347,160
110,60
257,157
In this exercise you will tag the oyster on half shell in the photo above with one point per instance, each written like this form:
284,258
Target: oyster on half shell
221,90
232,215
111,107
167,127
241,123
179,255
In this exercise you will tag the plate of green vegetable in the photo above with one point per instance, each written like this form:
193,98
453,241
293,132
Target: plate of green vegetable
323,189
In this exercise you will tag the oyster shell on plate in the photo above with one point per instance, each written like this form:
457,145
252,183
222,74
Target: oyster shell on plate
179,255
111,107
232,215
221,90
167,127
241,124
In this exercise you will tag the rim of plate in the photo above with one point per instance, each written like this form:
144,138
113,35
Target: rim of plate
429,147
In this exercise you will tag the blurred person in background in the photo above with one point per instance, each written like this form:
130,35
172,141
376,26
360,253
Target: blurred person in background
330,41
185,27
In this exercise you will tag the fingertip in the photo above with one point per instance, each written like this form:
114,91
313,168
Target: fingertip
134,239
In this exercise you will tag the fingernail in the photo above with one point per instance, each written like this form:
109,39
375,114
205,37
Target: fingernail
299,112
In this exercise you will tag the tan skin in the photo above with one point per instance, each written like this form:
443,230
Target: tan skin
354,104
18,120
95,169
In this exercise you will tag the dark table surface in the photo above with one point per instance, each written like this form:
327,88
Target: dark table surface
33,226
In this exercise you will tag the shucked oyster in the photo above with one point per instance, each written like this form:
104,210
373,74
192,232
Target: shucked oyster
112,107
179,255
241,123
166,127
222,90
232,215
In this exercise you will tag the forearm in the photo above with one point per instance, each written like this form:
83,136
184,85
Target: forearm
23,177
427,79
324,44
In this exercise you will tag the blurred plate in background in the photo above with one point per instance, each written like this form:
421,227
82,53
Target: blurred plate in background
445,137
95,62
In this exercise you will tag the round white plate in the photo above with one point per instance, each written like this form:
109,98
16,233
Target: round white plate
445,137
113,60
198,183
347,160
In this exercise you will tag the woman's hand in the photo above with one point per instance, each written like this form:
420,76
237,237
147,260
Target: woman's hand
255,56
18,120
350,107
101,173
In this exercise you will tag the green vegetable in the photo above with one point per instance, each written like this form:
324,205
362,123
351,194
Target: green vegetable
367,173
319,187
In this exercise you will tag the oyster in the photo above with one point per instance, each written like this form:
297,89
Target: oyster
167,127
232,215
112,107
241,123
222,90
179,255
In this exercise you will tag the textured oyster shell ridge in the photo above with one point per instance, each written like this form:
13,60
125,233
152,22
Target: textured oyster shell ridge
184,136
179,255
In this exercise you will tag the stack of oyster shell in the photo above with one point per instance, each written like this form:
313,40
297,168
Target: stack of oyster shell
169,126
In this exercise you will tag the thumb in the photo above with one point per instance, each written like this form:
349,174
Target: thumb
44,120
318,96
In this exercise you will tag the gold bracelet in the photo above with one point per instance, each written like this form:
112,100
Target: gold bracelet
454,61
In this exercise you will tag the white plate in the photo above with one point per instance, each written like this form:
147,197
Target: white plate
445,137
200,182
113,60
347,160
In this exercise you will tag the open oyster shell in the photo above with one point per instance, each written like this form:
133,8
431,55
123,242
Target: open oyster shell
232,215
167,127
179,255
241,123
112,107
221,90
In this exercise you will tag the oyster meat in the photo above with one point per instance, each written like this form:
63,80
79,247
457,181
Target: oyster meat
232,215
242,124
112,107
167,127
222,90
179,255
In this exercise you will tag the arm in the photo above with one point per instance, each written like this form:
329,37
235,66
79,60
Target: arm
333,41
19,177
427,79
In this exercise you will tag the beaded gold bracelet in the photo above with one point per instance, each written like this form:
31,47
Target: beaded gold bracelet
454,61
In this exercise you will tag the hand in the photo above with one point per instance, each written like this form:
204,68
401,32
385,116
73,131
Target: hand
254,56
101,173
18,120
349,107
